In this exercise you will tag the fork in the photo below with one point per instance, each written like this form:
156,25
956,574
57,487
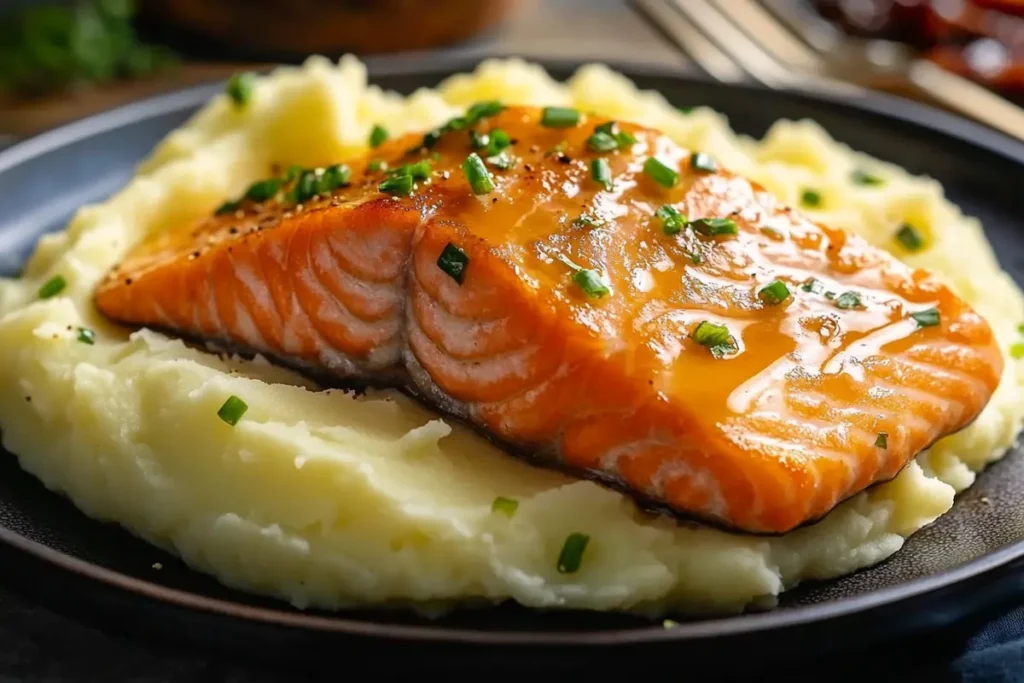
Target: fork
786,44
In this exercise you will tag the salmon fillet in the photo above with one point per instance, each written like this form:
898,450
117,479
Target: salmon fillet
596,298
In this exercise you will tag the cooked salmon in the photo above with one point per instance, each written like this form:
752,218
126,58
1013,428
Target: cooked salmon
596,298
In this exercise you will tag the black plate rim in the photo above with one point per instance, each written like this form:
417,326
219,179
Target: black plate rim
906,111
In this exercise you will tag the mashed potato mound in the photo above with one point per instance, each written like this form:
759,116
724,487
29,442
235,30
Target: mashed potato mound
328,500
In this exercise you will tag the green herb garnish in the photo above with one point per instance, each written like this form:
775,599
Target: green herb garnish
672,222
305,187
861,177
571,557
602,142
601,173
621,137
660,173
232,410
262,190
909,237
477,174
559,117
52,287
703,162
774,293
227,207
497,140
926,318
585,221
812,286
810,198
453,262
401,185
377,165
848,300
86,336
882,441
240,88
506,506
482,110
590,282
332,178
378,135
715,226
715,337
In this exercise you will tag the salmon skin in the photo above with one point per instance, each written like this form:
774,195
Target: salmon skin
598,298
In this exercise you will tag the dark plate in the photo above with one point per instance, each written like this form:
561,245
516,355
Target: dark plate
956,566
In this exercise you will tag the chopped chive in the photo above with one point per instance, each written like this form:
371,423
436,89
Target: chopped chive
601,172
715,226
377,165
585,221
715,337
497,140
660,173
703,162
848,300
232,410
830,295
52,287
293,172
882,441
333,177
482,110
862,177
305,187
453,262
458,123
262,190
909,237
775,293
86,336
926,318
1017,350
810,198
672,222
590,282
611,129
502,161
477,174
559,117
227,207
240,88
419,171
401,185
602,142
378,135
506,506
478,140
571,557
431,138
811,285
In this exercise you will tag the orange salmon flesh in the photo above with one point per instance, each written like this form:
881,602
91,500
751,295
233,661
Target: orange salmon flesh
724,359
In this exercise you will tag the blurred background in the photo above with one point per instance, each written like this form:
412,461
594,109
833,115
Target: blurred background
64,59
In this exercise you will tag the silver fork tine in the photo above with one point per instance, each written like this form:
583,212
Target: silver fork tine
716,63
748,54
759,25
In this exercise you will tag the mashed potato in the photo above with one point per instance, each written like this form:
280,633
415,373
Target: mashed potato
327,500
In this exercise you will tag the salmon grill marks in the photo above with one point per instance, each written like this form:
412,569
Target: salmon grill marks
597,297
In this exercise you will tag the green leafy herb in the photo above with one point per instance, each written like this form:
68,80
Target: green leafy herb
401,185
305,187
590,282
601,172
419,171
293,172
377,165
660,173
672,222
506,506
848,300
262,190
482,110
571,557
453,262
926,318
232,410
559,117
909,237
715,226
703,162
862,177
715,337
52,287
479,177
602,142
621,137
240,88
378,135
882,441
496,142
86,336
810,198
228,207
774,293
332,178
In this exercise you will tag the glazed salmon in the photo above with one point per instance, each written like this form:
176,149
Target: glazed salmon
596,298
